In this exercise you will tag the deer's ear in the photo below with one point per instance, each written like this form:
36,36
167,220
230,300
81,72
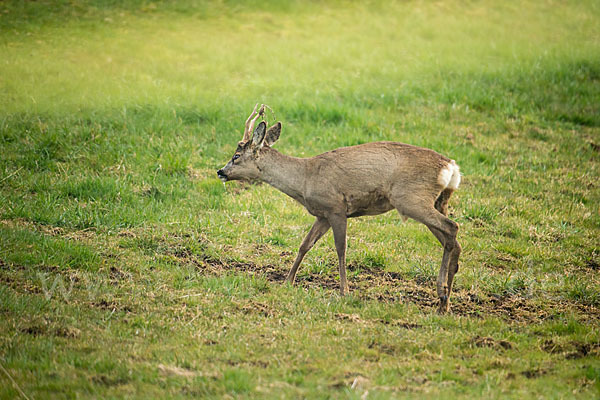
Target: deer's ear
273,134
259,134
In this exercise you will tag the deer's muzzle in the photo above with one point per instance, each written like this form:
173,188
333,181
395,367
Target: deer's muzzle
222,176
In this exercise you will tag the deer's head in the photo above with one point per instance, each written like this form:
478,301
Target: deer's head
243,164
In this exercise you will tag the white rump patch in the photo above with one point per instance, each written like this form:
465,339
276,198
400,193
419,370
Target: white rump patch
449,177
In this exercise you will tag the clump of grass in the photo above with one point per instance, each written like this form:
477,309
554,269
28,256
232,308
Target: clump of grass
424,272
479,213
512,283
370,260
584,292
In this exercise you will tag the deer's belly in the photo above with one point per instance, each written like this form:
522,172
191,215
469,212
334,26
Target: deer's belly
372,203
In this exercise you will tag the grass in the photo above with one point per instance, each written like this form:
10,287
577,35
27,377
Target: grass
128,270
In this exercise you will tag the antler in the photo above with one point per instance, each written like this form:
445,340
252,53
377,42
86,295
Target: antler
250,121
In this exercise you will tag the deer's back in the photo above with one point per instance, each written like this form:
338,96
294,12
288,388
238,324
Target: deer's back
377,162
362,178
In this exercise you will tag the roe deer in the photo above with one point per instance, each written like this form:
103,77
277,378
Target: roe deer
367,179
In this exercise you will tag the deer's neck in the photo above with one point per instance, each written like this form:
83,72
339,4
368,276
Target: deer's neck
283,172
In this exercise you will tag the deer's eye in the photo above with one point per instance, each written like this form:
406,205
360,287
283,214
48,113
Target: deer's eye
236,156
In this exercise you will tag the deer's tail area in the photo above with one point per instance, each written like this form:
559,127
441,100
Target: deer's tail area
449,179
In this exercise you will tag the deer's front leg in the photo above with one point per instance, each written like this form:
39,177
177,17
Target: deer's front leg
319,228
338,225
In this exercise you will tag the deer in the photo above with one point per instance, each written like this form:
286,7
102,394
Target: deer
348,182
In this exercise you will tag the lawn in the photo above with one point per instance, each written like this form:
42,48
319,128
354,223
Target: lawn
127,269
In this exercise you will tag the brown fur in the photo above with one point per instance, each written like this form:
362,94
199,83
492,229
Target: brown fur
348,182
441,203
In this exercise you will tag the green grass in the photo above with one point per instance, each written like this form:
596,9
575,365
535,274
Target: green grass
128,270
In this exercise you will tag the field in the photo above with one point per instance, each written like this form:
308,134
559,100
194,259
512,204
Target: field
127,269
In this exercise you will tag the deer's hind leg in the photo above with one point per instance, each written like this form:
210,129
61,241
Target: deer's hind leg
445,230
447,275
441,204
453,266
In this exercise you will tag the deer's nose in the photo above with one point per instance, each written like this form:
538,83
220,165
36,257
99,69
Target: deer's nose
221,174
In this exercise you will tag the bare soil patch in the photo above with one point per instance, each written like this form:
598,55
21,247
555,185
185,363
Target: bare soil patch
481,341
572,349
381,285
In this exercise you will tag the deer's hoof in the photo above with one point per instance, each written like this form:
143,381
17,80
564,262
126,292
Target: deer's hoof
444,306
